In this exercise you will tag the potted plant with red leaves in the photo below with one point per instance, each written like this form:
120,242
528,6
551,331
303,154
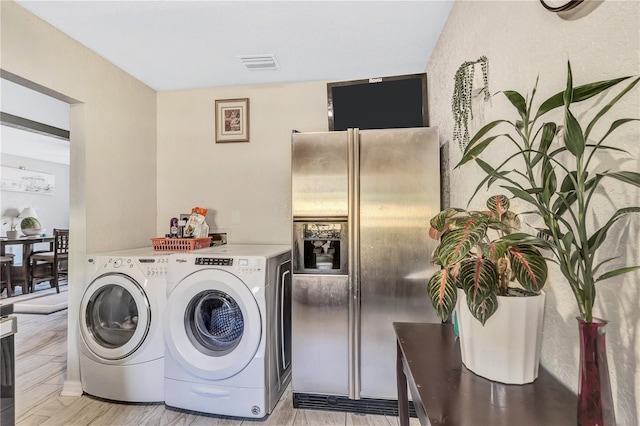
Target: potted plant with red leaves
494,275
560,171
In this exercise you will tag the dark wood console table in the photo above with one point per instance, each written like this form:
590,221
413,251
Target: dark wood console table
444,392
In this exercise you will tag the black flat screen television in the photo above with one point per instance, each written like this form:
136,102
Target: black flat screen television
378,103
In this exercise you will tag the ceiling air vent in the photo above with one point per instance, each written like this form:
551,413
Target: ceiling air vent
259,62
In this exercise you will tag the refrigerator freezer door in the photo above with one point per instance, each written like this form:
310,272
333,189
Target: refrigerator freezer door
320,333
319,175
399,193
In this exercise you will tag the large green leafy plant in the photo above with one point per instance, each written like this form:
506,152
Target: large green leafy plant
553,168
481,253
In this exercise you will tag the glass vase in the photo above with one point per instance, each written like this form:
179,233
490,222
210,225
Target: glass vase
595,401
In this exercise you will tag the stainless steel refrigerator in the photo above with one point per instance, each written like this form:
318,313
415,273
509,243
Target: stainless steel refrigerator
361,204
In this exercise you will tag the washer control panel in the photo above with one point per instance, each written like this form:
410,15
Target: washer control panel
217,261
239,264
250,265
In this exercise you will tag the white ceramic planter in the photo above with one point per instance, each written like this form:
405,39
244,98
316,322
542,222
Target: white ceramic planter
507,348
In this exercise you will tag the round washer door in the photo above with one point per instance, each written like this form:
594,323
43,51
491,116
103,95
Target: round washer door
212,324
115,316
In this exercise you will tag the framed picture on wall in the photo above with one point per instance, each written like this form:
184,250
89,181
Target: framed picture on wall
23,180
232,120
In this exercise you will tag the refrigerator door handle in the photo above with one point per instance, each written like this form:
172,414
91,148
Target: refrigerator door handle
353,137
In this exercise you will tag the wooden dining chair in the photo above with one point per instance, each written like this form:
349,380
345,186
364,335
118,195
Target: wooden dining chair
5,274
49,266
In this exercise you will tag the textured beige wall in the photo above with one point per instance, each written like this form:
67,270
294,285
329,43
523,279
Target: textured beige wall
245,186
113,145
522,41
119,127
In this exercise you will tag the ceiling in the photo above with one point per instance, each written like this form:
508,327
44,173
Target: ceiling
173,45
176,45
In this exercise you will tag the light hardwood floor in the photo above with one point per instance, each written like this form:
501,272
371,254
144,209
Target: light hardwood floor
41,346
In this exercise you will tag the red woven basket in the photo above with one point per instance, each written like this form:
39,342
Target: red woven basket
180,244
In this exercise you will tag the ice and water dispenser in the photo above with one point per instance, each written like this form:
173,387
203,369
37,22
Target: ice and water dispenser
320,247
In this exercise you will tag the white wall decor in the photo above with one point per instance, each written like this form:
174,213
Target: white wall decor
22,180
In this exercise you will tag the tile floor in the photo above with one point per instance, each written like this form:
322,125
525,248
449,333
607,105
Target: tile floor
41,347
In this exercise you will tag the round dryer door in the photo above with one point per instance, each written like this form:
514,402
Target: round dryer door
114,316
212,324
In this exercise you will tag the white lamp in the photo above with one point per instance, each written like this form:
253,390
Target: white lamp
28,212
30,225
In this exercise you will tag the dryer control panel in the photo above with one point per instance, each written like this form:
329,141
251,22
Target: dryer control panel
153,267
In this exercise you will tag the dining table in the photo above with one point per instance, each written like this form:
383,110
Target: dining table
21,273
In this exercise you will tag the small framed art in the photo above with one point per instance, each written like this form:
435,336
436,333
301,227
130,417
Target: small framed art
232,120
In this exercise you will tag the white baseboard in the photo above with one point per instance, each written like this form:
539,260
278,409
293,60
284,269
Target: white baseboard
71,388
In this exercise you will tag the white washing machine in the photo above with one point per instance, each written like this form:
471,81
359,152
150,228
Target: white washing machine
121,344
228,330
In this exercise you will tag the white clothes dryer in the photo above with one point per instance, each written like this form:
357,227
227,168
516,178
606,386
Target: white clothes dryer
121,344
228,330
